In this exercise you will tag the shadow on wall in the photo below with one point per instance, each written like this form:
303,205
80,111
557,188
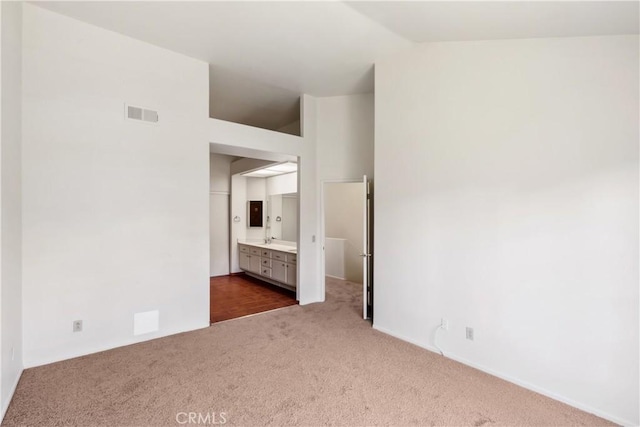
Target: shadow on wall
237,99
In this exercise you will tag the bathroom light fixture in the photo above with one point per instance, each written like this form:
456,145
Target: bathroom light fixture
278,169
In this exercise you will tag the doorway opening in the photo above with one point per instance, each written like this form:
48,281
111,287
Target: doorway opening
242,242
346,230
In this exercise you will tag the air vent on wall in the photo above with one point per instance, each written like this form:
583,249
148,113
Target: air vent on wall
141,114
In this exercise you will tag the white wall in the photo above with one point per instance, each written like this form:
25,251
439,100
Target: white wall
220,173
282,184
344,220
334,260
219,243
238,210
345,137
10,201
115,212
289,218
507,201
309,228
219,200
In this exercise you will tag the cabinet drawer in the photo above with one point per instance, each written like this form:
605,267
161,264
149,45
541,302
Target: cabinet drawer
244,249
292,258
254,251
265,271
280,256
266,262
266,253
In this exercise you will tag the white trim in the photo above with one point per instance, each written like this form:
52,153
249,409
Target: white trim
406,339
220,193
124,343
11,393
513,380
335,277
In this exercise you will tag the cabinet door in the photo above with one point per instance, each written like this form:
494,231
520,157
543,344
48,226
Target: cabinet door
245,261
255,264
292,275
279,271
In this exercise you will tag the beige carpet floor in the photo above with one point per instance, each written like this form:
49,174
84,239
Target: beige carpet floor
302,365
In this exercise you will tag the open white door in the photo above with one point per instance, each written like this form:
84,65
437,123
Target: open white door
367,282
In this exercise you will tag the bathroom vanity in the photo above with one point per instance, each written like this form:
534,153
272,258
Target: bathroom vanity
273,263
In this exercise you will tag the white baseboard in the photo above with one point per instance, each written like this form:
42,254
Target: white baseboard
33,363
335,277
7,402
513,380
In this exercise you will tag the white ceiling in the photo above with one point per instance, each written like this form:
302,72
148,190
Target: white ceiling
265,53
319,48
430,21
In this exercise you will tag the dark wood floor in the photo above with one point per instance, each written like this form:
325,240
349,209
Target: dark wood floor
241,295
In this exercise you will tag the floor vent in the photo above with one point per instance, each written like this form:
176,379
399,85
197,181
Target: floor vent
141,114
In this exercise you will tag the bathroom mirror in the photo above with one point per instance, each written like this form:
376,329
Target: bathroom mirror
282,217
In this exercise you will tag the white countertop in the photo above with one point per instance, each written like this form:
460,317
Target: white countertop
272,246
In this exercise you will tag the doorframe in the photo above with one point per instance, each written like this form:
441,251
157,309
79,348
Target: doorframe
240,151
322,268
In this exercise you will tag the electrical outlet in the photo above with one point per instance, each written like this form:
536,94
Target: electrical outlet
469,333
444,324
77,326
13,354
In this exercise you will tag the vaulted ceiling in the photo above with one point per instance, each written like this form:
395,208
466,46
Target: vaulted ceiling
267,53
